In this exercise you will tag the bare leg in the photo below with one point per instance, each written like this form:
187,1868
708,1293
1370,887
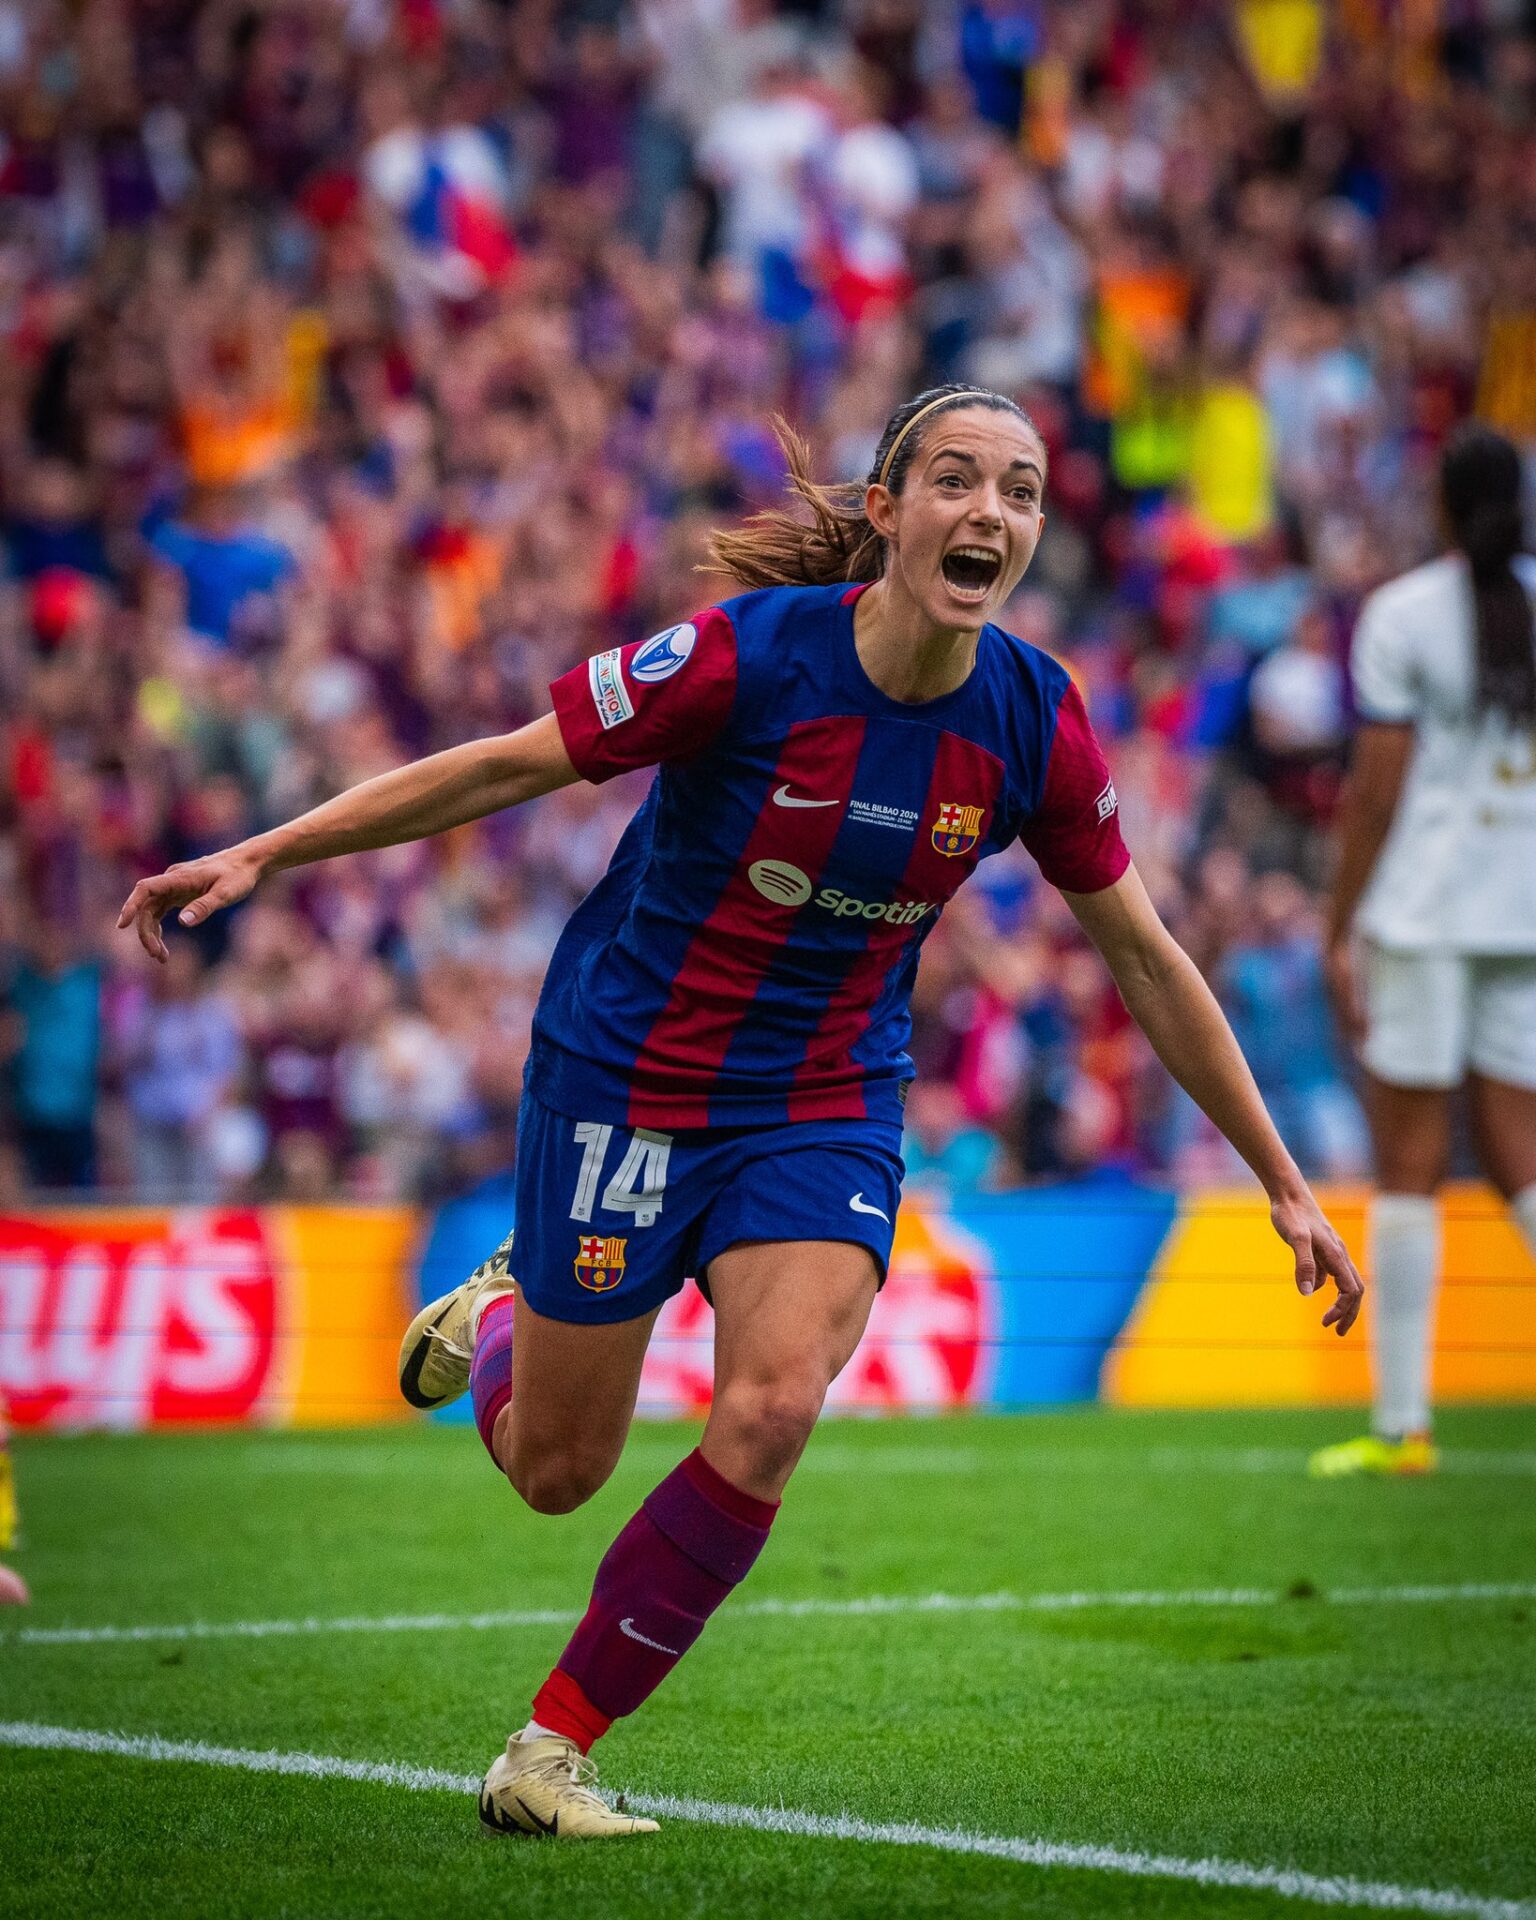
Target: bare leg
1411,1134
1504,1127
573,1396
788,1317
1504,1132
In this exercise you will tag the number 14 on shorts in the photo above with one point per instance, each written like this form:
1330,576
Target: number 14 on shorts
640,1183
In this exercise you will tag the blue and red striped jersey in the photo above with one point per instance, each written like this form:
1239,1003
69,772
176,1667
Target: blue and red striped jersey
749,956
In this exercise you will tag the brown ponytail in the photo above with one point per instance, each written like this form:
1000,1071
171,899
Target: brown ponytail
779,547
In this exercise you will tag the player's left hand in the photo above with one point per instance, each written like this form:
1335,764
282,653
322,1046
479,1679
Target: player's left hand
1320,1255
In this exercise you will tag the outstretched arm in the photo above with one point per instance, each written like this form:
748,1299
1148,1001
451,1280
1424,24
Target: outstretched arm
408,803
1173,1006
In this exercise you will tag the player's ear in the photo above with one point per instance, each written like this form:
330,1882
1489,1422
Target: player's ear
880,510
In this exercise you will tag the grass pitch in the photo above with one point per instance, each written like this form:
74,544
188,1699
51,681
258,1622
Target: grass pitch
1391,1741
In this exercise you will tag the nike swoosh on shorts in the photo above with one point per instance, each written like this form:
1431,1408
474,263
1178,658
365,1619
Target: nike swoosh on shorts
860,1205
782,797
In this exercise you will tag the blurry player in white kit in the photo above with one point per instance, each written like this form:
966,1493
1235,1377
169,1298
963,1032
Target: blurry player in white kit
1437,875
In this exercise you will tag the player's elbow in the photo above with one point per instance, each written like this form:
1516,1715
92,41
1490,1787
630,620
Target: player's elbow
1148,965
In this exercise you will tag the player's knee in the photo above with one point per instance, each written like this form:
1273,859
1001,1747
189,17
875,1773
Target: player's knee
557,1482
769,1422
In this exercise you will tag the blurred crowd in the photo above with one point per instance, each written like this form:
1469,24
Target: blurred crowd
367,363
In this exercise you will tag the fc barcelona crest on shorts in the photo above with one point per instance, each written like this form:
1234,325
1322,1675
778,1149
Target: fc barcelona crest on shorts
600,1261
957,828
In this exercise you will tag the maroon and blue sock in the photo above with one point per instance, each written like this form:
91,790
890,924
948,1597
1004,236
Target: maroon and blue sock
490,1372
693,1540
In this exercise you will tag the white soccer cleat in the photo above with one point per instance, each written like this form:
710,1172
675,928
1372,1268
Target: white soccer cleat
439,1343
545,1787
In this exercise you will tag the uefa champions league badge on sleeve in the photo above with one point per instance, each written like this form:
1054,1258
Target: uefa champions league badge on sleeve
663,654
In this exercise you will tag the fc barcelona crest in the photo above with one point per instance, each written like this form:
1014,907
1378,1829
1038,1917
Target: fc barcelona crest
600,1261
957,828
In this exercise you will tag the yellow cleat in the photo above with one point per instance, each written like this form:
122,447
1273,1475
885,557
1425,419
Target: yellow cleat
7,1498
1416,1453
545,1787
439,1343
13,1589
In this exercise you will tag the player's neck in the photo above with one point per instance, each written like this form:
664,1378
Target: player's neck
903,652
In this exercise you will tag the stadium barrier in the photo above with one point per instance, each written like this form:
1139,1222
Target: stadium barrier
1108,1290
133,1318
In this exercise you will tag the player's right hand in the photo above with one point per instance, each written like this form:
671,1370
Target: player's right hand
1342,970
192,889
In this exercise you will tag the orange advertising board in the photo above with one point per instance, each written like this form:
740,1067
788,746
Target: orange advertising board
1220,1324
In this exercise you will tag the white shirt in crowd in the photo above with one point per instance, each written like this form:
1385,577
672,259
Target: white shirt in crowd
1458,871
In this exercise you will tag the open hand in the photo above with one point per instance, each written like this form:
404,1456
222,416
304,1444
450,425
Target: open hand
1320,1254
192,889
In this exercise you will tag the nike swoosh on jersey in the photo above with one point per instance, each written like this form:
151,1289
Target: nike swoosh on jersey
628,1628
782,797
860,1205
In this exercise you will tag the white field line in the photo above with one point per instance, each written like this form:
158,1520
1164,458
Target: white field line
1326,1890
874,1605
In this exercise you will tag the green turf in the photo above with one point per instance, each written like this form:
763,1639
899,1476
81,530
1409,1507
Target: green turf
1395,1743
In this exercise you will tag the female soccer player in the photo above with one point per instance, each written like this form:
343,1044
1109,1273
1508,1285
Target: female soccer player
715,1085
1437,867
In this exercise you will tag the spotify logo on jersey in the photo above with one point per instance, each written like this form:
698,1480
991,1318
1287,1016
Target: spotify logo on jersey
777,880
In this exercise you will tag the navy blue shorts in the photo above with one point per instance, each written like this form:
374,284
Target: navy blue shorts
611,1220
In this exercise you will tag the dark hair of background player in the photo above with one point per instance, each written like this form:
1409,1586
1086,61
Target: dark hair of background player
1480,485
779,548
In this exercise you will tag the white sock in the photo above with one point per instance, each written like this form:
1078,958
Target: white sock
533,1731
1523,1207
1405,1265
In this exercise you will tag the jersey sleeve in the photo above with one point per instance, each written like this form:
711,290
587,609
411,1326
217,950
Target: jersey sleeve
660,699
1074,834
1381,666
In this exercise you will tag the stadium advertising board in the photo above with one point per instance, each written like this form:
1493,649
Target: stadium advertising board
145,1318
1104,1290
1108,1290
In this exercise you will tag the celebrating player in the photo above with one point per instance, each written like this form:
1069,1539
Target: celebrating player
1437,868
718,1065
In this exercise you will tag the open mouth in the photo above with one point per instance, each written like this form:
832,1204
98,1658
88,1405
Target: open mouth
972,571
